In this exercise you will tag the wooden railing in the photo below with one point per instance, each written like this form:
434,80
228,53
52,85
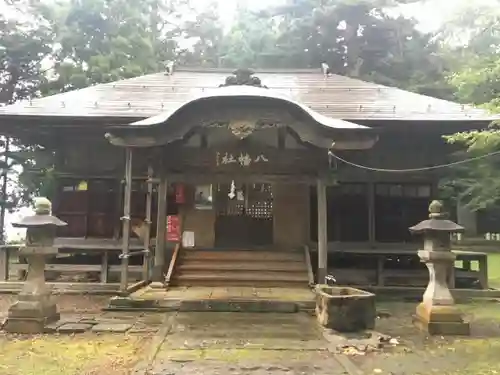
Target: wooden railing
310,272
74,269
171,267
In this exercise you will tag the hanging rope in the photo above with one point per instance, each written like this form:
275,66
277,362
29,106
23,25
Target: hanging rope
330,153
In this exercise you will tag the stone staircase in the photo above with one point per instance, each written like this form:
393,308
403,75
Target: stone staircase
253,268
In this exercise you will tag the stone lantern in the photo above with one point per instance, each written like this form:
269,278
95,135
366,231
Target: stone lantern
35,308
437,314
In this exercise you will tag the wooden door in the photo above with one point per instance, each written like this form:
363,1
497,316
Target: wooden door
245,219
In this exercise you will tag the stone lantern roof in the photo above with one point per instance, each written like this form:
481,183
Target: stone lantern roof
437,221
41,218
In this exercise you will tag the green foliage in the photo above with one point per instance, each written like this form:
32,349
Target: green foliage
18,161
252,42
23,48
357,38
476,80
477,183
205,32
102,41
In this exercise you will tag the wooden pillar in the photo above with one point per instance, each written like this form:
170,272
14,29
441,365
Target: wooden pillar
147,221
322,232
4,191
371,213
126,220
159,261
118,208
4,264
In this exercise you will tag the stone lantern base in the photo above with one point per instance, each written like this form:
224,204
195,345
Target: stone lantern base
31,314
441,320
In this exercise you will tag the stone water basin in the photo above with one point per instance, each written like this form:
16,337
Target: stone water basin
345,309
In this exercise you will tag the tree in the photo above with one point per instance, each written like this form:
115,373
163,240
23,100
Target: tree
476,81
24,46
203,33
251,42
362,39
103,41
474,39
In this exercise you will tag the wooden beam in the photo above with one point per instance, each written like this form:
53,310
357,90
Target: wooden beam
87,176
322,232
159,261
126,220
147,222
65,288
214,178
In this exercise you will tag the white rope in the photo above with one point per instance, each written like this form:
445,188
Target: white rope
414,169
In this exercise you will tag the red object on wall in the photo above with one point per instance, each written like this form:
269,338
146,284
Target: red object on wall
179,194
173,228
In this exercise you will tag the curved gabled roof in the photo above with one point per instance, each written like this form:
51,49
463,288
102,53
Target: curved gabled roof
245,92
310,126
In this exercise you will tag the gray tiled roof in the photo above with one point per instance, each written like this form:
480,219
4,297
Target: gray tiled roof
336,96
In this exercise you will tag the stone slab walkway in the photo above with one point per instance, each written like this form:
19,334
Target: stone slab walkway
193,293
241,343
106,322
110,322
221,299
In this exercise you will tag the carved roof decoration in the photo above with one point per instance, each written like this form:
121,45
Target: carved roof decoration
243,77
236,105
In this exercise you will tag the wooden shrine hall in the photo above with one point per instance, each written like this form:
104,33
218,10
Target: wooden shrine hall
220,178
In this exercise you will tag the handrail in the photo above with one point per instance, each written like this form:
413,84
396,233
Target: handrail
310,272
171,267
133,288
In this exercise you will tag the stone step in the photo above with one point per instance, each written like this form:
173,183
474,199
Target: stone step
239,278
241,255
249,306
197,265
239,267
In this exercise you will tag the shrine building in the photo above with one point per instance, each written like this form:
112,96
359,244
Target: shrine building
266,178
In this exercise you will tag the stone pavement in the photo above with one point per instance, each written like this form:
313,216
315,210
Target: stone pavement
187,293
222,299
106,322
241,343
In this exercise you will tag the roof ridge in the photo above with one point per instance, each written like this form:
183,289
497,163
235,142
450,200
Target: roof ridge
195,69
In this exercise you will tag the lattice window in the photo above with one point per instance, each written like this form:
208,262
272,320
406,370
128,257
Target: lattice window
257,201
261,210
